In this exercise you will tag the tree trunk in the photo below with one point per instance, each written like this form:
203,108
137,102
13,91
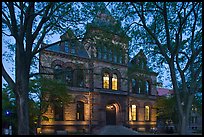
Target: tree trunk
22,89
183,126
22,109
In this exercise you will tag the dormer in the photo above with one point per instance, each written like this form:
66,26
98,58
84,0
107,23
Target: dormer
140,60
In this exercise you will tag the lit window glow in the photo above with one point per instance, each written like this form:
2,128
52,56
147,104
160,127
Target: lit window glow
146,113
106,80
114,82
133,112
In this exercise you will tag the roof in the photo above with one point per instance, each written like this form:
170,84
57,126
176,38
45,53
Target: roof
164,91
80,52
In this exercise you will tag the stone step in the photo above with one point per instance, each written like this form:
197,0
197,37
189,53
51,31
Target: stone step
116,130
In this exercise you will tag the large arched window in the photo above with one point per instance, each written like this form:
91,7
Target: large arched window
69,76
58,75
79,78
106,80
147,113
58,111
115,82
80,111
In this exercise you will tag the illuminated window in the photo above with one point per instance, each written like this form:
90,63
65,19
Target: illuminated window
106,80
114,82
147,111
80,111
133,112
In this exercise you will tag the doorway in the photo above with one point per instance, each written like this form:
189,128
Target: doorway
110,115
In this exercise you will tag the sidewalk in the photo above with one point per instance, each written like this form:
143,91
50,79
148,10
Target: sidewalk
116,130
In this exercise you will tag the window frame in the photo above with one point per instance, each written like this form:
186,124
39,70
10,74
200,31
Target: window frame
145,116
116,86
108,80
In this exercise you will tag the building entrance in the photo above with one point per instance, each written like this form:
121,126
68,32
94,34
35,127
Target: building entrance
110,115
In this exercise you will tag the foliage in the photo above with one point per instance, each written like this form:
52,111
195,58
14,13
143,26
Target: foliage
37,103
8,109
166,108
55,89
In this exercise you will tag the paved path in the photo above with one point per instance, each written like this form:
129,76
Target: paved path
116,130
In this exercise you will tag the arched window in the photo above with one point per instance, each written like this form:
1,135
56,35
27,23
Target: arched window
79,78
133,112
147,87
115,57
147,113
110,55
115,82
69,76
139,87
106,80
66,46
99,52
105,54
58,75
135,86
80,111
58,111
142,64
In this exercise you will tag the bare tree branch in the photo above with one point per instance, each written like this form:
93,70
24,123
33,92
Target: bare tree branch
8,79
151,34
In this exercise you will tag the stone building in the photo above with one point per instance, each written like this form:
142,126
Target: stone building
108,88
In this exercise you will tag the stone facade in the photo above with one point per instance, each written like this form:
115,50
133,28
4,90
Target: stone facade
95,56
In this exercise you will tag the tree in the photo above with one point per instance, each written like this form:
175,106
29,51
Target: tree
166,108
38,103
46,90
8,109
29,23
170,33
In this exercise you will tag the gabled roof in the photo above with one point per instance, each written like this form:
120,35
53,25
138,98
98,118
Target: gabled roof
71,39
164,91
138,57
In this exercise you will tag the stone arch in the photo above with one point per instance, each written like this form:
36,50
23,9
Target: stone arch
81,98
69,64
135,102
57,62
115,116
